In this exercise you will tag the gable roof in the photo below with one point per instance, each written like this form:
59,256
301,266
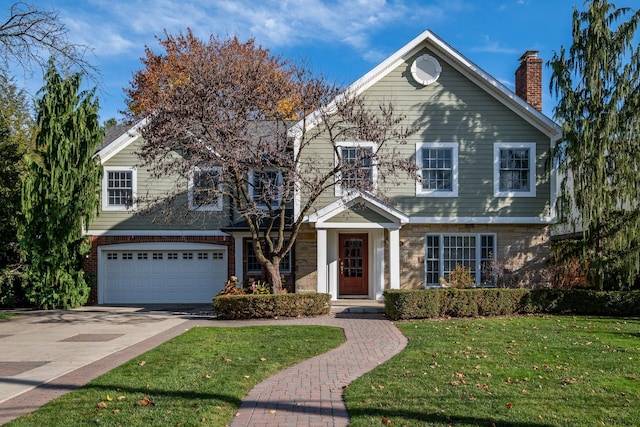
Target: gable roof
117,138
461,64
352,199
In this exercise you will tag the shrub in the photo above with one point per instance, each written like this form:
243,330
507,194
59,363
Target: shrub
11,291
271,306
437,302
461,277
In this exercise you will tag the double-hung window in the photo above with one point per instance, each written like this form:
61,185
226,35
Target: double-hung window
357,167
253,265
514,171
438,169
266,187
204,189
444,252
118,189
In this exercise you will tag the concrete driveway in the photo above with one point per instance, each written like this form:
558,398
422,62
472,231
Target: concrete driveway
43,347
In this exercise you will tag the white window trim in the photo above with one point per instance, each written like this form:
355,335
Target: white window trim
478,271
249,247
260,204
531,146
425,192
105,183
339,191
204,208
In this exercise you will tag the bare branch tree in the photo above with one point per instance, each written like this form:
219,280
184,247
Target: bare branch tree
30,36
256,118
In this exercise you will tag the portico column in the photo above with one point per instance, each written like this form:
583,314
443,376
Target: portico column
322,261
394,259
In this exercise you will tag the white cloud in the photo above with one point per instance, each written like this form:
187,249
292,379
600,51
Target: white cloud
492,46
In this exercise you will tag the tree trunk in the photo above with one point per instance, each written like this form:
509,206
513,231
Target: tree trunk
274,277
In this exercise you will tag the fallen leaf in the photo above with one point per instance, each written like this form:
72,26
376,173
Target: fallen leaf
262,359
109,398
207,376
272,411
142,363
247,376
115,411
121,397
202,420
146,402
102,405
509,405
380,387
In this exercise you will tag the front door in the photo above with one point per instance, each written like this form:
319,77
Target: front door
354,265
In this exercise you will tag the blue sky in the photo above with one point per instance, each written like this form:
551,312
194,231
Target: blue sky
343,39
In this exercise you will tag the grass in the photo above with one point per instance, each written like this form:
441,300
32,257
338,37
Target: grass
516,372
4,315
198,378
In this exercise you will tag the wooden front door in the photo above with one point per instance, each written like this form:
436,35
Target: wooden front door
353,265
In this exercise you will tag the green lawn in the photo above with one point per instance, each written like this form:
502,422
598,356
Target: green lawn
196,379
4,315
517,372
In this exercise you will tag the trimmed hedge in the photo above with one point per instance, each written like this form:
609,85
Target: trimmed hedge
429,303
270,306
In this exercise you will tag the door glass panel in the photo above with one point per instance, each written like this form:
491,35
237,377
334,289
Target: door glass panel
353,258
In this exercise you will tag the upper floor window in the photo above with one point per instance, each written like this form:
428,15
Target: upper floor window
514,169
118,188
438,168
204,189
266,187
358,171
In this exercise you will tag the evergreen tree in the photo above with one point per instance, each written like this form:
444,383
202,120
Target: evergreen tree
16,125
598,85
60,192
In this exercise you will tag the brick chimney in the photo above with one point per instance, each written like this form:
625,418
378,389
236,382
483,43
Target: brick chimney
529,79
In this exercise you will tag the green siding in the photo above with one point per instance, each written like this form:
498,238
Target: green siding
454,109
359,215
165,212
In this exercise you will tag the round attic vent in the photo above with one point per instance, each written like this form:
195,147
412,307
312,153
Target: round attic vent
426,69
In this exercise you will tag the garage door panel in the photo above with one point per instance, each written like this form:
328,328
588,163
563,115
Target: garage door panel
162,276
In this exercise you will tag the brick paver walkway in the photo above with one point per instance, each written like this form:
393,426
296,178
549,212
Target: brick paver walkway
307,394
311,393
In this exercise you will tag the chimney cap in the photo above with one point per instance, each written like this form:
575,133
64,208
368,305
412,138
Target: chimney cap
529,54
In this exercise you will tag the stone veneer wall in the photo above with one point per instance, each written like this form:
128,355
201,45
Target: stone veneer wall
522,250
306,248
90,263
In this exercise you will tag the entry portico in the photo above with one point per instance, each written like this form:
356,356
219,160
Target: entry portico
356,237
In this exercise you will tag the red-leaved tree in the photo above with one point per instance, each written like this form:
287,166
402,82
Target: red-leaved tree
234,106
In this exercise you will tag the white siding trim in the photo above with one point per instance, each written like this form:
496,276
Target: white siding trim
156,233
481,220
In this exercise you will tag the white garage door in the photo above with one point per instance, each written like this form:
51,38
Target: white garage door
159,275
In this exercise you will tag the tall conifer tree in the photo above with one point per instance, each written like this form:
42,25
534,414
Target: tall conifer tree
60,192
598,85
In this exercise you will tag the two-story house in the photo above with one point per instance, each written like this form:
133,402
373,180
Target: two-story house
485,197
